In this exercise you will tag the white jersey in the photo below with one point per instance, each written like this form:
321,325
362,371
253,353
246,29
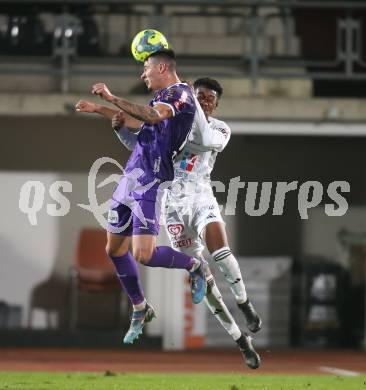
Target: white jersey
190,203
193,166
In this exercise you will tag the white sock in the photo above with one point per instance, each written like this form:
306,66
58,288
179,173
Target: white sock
140,306
217,307
230,268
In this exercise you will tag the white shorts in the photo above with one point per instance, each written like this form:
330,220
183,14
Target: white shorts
185,223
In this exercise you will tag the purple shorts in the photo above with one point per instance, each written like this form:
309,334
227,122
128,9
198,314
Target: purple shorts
140,219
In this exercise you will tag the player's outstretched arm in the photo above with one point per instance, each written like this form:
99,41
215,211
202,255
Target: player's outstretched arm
90,107
106,112
214,136
140,112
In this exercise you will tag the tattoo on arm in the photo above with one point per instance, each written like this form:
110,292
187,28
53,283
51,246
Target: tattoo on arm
142,113
106,111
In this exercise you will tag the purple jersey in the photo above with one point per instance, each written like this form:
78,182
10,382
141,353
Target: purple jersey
158,144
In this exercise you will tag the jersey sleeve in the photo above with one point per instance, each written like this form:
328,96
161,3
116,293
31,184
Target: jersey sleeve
216,135
128,138
213,135
178,98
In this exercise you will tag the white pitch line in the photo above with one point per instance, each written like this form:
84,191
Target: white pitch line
338,371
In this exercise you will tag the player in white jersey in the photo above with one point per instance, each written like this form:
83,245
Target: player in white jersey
192,212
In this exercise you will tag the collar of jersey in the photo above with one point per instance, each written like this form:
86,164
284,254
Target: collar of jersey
168,87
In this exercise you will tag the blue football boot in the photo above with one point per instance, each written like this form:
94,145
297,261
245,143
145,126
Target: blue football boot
198,283
138,321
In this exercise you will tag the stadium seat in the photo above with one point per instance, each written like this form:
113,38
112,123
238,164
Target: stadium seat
93,272
48,296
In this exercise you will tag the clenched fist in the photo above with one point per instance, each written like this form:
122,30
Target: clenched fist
85,106
102,90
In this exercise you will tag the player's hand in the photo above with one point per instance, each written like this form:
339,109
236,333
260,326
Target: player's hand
118,120
85,106
102,90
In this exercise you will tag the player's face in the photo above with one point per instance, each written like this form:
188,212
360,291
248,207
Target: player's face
151,74
208,99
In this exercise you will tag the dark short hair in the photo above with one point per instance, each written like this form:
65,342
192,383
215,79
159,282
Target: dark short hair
209,83
167,53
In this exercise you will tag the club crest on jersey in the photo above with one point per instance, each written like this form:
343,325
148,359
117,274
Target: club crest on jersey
175,229
188,161
158,96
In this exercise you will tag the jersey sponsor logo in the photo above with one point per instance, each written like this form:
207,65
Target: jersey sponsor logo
182,243
223,131
180,174
181,101
211,215
175,229
204,209
188,161
170,93
158,96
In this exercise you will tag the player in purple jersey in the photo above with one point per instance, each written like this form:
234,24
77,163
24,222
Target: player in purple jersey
134,214
207,95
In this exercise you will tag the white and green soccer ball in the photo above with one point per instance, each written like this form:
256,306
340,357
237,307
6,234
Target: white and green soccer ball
147,42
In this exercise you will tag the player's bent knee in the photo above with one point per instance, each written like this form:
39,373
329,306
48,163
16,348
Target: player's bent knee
113,250
143,256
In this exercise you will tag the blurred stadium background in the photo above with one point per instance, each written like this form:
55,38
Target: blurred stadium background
294,78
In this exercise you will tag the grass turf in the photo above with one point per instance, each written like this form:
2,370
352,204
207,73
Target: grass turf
111,381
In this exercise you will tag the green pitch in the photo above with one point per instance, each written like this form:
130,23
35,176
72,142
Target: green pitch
111,381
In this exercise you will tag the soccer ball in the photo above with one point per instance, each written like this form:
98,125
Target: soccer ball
147,42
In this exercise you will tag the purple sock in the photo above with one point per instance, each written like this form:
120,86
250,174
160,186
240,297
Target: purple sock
166,257
128,274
